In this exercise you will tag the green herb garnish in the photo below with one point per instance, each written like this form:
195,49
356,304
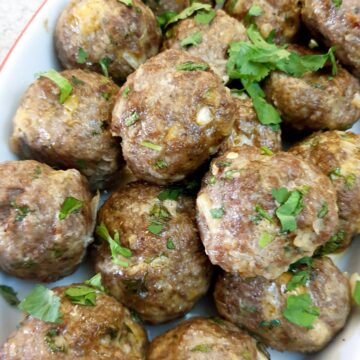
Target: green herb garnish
69,206
51,341
82,295
76,81
21,211
164,18
192,66
82,56
356,294
188,12
262,213
42,304
265,240
170,244
9,295
132,119
95,282
126,2
193,39
204,17
337,3
104,64
160,164
217,213
323,211
270,324
125,91
201,348
150,145
266,151
169,194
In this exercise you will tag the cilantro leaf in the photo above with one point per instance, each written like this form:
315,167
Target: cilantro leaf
188,12
280,194
69,206
81,56
126,2
169,194
204,17
125,92
63,84
164,18
51,341
298,279
356,294
255,10
270,324
155,227
42,304
82,295
217,213
201,348
104,64
265,240
266,151
9,295
150,145
263,213
160,164
323,211
95,282
170,244
21,211
337,3
193,39
192,66
132,119
332,245
300,310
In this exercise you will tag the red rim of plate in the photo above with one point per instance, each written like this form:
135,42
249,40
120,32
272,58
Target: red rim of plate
21,35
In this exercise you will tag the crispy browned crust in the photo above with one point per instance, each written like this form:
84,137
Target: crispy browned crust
248,302
103,331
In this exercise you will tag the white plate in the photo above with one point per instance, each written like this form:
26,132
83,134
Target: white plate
34,53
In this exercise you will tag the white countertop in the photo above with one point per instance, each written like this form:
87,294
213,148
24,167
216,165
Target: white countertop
14,15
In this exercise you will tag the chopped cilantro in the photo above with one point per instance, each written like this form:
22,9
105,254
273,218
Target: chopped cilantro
106,95
82,295
95,282
164,18
229,174
188,12
334,174
104,64
263,213
42,304
51,341
270,324
170,244
160,164
132,119
350,180
69,206
266,151
63,84
265,240
193,39
300,270
300,310
217,213
201,348
337,3
356,294
323,211
192,66
150,145
125,91
223,164
255,10
126,2
332,245
20,210
156,227
169,194
76,81
82,56
9,295
204,17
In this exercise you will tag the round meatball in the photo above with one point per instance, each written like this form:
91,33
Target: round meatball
211,40
337,155
278,18
159,7
168,270
248,130
258,213
103,331
106,34
316,100
264,307
175,115
47,219
337,26
74,134
191,339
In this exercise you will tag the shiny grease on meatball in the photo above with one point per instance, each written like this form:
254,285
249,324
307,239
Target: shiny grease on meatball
103,331
47,219
173,113
200,338
257,213
98,34
317,100
74,134
337,155
336,25
262,306
248,130
212,42
278,18
168,270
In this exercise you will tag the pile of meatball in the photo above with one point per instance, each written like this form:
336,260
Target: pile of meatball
197,183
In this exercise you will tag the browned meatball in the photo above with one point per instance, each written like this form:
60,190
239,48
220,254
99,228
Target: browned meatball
103,331
47,219
74,134
168,270
173,114
161,6
281,17
316,100
264,306
258,213
108,32
248,130
200,338
337,26
337,155
212,40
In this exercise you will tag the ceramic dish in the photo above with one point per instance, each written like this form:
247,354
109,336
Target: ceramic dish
32,53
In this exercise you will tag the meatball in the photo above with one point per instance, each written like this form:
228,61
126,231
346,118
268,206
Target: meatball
258,213
278,18
248,130
337,26
211,40
174,114
106,35
47,219
264,306
159,7
103,331
168,270
217,338
316,100
337,155
74,134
